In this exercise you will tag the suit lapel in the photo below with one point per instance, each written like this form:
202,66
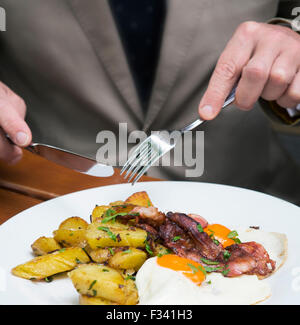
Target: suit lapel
180,26
98,24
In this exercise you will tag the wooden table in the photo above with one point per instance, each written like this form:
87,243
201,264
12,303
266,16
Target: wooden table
34,180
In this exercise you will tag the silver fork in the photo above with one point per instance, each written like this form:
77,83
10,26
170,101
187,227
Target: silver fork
157,145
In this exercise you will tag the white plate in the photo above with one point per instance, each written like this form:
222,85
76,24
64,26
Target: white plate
233,207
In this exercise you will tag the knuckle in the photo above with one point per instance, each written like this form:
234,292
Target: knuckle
248,28
243,104
226,70
279,77
294,95
255,72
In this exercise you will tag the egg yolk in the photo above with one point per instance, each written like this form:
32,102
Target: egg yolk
189,268
220,233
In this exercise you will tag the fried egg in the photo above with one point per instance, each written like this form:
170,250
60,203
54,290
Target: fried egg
174,280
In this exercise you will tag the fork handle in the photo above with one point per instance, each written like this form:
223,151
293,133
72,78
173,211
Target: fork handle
230,98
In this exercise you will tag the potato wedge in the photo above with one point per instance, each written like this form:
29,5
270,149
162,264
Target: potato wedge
73,223
44,266
99,235
86,300
98,212
101,255
139,198
45,245
104,282
70,238
132,258
71,232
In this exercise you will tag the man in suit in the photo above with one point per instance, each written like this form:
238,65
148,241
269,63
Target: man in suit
75,65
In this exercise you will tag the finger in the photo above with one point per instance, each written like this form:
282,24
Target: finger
228,69
13,124
9,152
282,73
291,97
8,95
255,75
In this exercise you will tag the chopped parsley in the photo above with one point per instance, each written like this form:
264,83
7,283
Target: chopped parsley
94,292
110,234
209,269
149,203
226,255
49,279
130,277
199,227
92,284
232,234
62,250
209,262
176,238
148,248
193,268
105,270
126,252
226,270
196,269
216,241
112,252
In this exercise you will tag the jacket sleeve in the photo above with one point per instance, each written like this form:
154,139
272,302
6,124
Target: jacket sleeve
286,14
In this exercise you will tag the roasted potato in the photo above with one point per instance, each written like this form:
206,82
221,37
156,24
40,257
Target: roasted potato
159,250
44,266
98,212
45,245
86,300
99,235
104,282
73,223
131,258
71,232
101,255
140,199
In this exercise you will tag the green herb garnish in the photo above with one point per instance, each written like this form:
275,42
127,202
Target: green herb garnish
110,234
226,255
193,268
62,250
199,227
111,251
209,262
126,252
209,269
49,279
232,234
176,238
148,248
92,284
130,277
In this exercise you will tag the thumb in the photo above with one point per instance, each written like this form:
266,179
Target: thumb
14,125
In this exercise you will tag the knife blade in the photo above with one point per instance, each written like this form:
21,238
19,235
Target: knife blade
70,159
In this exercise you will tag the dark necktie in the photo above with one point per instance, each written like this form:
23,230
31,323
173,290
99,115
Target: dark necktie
140,25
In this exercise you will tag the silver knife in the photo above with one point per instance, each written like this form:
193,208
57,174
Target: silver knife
70,159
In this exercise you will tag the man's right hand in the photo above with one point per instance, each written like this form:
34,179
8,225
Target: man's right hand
12,123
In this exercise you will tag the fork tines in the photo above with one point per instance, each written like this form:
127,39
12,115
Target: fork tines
140,161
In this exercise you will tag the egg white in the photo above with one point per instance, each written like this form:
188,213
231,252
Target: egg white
162,286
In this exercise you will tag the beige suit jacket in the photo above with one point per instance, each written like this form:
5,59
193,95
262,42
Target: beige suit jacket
65,58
